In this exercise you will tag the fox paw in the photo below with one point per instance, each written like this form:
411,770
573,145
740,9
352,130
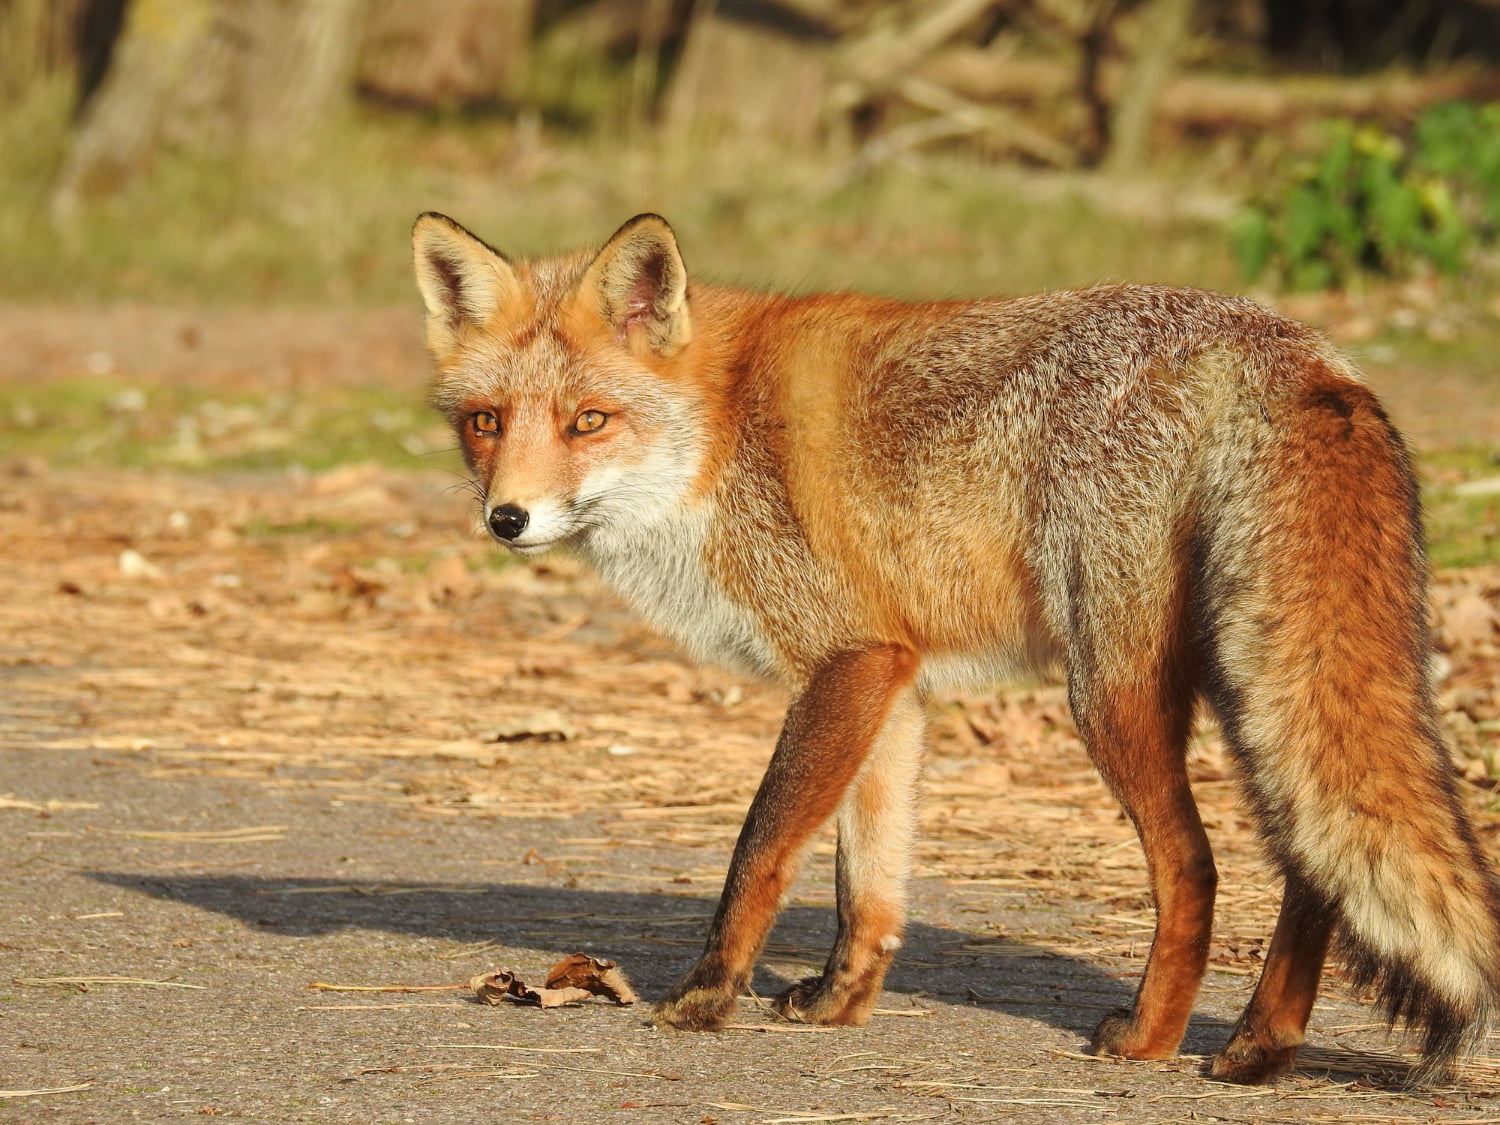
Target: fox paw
814,1000
695,1008
1118,1034
1250,1063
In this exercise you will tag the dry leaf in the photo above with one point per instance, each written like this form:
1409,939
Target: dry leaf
133,564
1468,619
449,577
498,987
545,726
557,997
494,987
599,978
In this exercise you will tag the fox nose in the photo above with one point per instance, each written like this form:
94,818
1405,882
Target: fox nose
508,521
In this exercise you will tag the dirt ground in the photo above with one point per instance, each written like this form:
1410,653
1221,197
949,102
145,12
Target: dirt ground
273,743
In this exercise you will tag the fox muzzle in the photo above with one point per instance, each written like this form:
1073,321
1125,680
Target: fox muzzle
506,521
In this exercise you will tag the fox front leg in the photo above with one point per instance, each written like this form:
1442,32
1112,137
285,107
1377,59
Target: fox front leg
830,732
877,823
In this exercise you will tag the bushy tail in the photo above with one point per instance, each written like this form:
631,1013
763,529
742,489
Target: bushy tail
1314,609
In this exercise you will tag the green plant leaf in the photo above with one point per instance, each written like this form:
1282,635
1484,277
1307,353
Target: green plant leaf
1305,222
1252,242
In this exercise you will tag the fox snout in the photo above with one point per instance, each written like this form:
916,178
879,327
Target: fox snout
507,521
529,527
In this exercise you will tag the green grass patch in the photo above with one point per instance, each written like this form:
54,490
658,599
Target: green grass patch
80,422
262,528
330,221
1466,342
1463,513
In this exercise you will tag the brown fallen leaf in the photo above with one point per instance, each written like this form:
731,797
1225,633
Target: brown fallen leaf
504,985
492,988
1467,619
543,726
600,978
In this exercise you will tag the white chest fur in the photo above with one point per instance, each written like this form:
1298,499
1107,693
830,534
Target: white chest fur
658,567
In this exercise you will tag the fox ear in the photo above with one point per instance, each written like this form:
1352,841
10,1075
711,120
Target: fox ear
463,280
639,279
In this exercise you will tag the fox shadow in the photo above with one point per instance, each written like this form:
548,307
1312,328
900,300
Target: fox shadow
657,937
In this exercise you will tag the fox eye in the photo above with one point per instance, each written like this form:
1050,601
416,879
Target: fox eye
485,423
589,421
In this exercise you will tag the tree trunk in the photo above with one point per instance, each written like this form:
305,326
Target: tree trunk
1164,26
750,71
443,53
298,63
39,38
245,74
1093,45
267,73
120,124
1204,102
645,72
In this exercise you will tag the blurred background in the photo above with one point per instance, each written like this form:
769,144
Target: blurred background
218,192
276,150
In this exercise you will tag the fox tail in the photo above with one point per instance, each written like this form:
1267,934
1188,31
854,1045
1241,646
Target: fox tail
1313,603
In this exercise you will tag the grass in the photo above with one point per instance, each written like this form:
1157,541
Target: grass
263,528
329,220
1462,530
85,421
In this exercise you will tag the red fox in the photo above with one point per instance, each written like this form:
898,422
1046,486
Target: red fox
1181,496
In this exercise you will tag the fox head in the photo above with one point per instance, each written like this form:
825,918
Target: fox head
564,379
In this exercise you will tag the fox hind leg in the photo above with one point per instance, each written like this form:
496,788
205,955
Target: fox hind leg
1264,1042
1136,731
876,826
